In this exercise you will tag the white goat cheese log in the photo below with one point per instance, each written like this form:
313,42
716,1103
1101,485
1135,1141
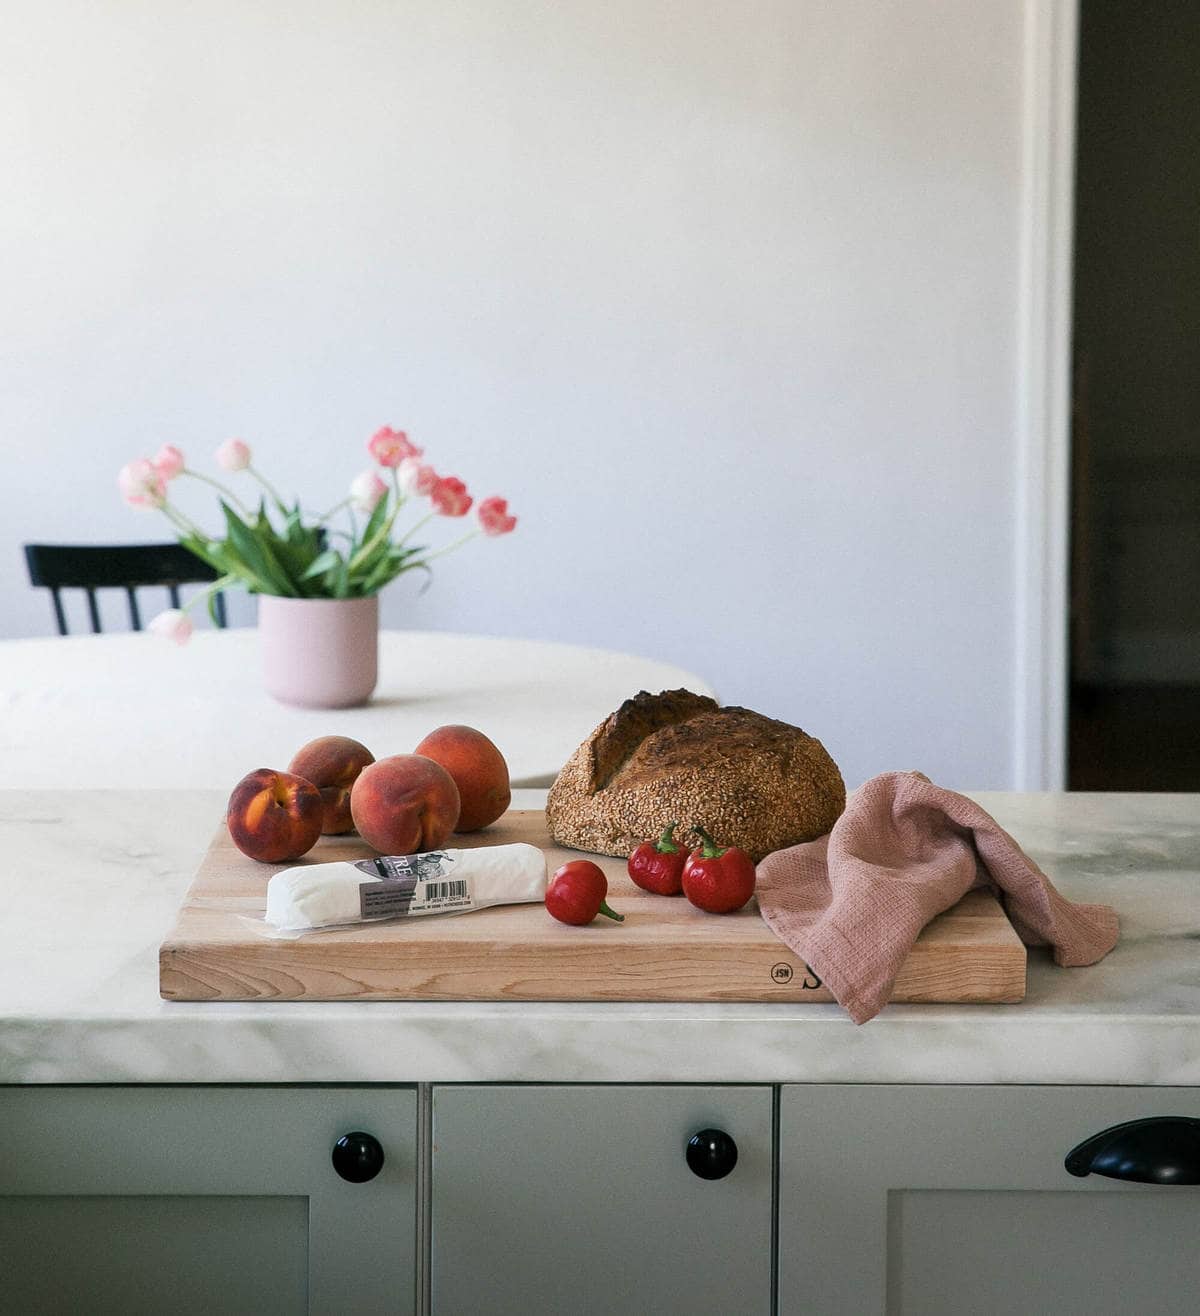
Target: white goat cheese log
403,886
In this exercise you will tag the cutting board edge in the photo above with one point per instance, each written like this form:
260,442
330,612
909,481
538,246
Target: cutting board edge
196,971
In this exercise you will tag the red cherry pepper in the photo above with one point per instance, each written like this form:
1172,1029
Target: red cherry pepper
718,879
576,894
657,866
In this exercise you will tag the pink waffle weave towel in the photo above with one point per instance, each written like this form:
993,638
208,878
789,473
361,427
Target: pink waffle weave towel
852,903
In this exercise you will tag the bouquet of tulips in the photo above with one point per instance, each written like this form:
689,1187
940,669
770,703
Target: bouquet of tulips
274,548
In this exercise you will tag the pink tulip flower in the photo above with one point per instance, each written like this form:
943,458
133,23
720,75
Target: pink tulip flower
142,484
390,447
233,455
174,624
169,461
449,497
494,518
415,478
366,490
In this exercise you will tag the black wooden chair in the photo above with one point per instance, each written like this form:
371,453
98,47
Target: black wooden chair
119,566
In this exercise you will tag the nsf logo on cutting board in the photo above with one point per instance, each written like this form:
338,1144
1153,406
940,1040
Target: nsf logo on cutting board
783,974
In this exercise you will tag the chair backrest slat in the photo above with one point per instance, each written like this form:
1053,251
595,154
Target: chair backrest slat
59,615
127,566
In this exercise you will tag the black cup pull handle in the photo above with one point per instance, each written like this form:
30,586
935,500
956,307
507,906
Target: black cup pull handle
357,1157
711,1153
1164,1149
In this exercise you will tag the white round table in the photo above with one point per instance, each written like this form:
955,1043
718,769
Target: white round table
130,711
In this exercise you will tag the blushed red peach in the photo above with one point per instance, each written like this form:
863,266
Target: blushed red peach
332,764
274,816
478,769
404,804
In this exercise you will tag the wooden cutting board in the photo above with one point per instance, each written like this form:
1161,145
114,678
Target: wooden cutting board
666,950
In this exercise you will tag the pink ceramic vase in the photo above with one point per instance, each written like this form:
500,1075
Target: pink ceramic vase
319,653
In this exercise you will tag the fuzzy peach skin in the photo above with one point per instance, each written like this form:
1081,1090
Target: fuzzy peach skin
404,804
274,816
478,769
332,764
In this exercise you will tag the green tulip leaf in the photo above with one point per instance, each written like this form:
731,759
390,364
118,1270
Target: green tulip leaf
255,552
321,564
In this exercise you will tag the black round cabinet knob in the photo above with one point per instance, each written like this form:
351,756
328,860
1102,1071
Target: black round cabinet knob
357,1157
711,1153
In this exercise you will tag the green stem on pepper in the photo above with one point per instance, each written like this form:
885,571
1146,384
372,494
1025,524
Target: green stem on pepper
666,842
711,849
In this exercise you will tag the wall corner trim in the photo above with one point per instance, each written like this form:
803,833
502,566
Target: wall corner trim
1043,395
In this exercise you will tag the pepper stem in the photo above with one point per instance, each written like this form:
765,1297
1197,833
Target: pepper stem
610,913
711,849
666,842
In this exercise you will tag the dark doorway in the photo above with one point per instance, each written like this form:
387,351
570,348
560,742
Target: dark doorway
1134,706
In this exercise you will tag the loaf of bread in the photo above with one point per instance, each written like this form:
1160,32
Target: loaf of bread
679,757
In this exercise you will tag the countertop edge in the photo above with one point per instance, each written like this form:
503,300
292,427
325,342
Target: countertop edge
1146,1052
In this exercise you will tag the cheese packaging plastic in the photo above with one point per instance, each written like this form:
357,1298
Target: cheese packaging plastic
313,896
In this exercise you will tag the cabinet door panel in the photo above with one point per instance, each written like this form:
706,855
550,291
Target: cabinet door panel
949,1199
579,1199
141,1254
1044,1251
220,1199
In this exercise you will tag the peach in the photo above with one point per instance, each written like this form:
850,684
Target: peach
404,804
332,764
478,769
273,816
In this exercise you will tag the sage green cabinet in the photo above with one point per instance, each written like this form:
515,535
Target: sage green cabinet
204,1200
937,1201
905,1200
580,1200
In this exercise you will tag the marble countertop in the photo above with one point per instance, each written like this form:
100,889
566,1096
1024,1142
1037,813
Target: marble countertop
92,881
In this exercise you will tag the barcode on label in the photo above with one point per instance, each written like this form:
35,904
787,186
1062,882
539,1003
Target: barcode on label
445,890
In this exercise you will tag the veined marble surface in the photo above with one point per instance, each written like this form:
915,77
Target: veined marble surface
92,880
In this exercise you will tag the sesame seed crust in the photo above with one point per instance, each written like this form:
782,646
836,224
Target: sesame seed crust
749,780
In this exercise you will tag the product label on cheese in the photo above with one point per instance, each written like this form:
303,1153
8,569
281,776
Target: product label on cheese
412,884
338,894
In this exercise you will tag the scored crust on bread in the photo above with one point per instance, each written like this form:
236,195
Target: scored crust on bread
622,732
749,780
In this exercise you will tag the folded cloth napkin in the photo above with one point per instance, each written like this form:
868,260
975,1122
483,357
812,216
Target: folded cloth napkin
852,903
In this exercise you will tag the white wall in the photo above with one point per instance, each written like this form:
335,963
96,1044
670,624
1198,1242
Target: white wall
721,293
